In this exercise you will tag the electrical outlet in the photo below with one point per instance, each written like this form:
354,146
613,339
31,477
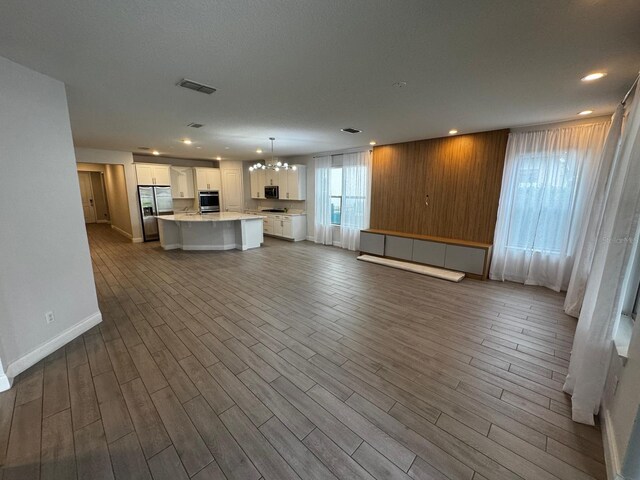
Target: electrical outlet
49,317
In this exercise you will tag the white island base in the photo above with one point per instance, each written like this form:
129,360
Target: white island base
210,231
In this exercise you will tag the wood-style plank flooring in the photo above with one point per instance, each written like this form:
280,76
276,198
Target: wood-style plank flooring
297,361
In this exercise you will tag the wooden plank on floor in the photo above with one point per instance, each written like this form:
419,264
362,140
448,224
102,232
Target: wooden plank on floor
92,454
259,450
58,459
295,452
149,427
166,465
232,459
23,453
382,442
128,460
193,453
84,404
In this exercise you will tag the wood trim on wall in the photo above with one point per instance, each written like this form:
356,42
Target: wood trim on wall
462,176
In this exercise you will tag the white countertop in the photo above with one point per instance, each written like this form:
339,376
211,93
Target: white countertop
209,217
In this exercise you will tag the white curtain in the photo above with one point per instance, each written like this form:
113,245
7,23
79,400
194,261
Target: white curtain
602,304
322,226
547,177
356,198
593,223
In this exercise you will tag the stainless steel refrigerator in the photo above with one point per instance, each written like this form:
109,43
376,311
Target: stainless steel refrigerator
153,201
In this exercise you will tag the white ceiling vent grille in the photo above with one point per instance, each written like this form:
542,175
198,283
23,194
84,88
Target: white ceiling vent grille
198,87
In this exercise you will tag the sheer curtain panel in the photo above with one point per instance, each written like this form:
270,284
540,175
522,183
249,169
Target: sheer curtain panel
356,197
603,297
322,226
547,177
593,223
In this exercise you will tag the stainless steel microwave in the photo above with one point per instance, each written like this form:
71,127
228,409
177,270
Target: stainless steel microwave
271,191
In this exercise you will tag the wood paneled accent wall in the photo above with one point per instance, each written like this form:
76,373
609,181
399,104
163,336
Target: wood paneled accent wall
462,176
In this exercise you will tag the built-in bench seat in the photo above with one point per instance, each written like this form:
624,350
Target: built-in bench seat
465,256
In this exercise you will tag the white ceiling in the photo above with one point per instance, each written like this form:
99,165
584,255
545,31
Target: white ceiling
300,70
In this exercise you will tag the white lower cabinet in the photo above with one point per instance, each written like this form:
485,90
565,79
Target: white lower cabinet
277,225
267,225
287,228
291,227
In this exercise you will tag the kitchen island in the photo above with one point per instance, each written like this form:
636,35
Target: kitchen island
210,231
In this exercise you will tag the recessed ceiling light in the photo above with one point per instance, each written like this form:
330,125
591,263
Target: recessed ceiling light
586,112
186,141
218,157
400,84
199,148
453,131
259,150
372,142
593,76
156,152
226,148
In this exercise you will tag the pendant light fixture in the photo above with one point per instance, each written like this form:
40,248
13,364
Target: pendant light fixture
274,165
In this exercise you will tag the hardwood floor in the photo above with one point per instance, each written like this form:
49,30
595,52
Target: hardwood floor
297,361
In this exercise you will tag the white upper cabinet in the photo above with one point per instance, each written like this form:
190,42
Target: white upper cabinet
182,182
149,174
258,181
293,183
208,179
271,177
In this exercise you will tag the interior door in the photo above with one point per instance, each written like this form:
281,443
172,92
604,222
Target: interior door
86,193
232,190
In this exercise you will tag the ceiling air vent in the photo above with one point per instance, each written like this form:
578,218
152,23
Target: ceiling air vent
195,125
144,148
350,130
198,87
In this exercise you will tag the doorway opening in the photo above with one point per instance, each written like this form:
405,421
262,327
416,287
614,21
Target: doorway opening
93,193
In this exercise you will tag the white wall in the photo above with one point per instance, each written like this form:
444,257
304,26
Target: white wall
45,254
117,195
92,155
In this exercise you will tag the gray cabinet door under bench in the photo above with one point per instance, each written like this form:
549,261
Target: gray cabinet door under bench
398,247
372,243
460,255
431,253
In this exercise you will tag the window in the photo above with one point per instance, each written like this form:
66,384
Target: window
336,195
543,200
631,295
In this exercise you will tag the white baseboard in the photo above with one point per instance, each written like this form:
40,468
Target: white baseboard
5,382
103,221
137,240
611,459
311,238
51,346
121,232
